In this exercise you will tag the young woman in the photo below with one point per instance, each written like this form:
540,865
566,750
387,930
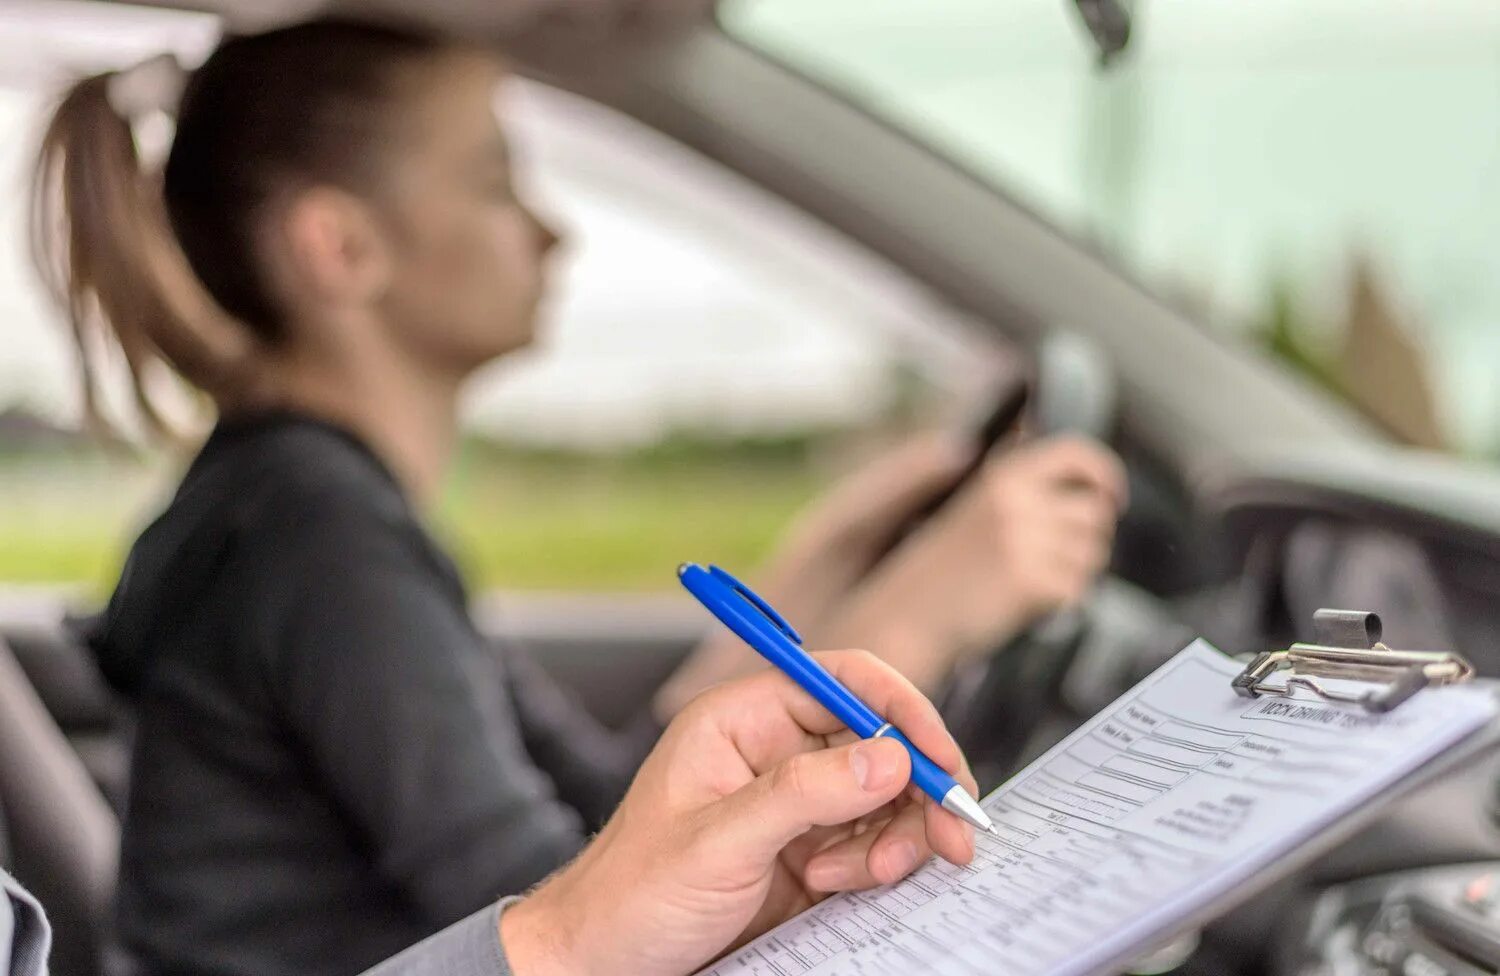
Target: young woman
331,762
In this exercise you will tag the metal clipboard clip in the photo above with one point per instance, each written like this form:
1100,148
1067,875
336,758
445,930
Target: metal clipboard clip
1349,648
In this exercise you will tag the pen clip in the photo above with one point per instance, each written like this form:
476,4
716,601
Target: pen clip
753,598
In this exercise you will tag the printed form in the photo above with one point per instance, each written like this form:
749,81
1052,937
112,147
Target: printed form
1167,799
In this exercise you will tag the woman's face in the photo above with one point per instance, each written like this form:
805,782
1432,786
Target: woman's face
469,263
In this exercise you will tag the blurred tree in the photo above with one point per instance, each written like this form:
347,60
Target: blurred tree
1377,365
1383,366
1285,333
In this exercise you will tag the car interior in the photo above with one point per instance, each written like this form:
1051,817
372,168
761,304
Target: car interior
1257,498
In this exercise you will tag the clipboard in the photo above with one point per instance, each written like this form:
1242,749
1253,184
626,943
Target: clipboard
1348,648
1152,727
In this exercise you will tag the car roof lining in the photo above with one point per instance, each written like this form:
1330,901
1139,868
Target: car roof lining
483,20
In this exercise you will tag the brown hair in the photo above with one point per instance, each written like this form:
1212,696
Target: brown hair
162,265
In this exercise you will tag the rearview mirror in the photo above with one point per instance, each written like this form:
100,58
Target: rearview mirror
1109,23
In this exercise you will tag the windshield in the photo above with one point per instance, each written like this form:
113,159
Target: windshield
1321,175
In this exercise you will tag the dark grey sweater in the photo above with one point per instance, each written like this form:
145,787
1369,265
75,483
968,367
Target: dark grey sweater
331,762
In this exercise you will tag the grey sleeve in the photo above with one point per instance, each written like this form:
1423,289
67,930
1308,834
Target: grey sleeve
468,948
25,938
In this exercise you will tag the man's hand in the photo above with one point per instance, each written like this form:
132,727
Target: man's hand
755,804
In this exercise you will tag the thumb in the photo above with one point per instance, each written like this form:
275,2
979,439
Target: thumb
810,789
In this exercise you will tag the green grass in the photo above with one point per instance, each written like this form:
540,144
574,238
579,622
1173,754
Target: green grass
67,519
41,555
513,519
541,522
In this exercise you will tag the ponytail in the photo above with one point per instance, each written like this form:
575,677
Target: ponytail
159,265
103,247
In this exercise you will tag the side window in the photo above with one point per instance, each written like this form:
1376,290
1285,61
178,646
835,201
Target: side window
708,359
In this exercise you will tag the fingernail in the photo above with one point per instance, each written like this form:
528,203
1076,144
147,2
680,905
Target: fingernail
875,766
859,763
900,858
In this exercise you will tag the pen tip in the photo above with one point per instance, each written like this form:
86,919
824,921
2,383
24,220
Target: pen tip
992,829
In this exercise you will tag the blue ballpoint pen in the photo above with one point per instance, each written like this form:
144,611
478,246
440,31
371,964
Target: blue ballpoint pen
760,626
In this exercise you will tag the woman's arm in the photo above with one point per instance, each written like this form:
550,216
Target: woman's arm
1028,535
590,764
